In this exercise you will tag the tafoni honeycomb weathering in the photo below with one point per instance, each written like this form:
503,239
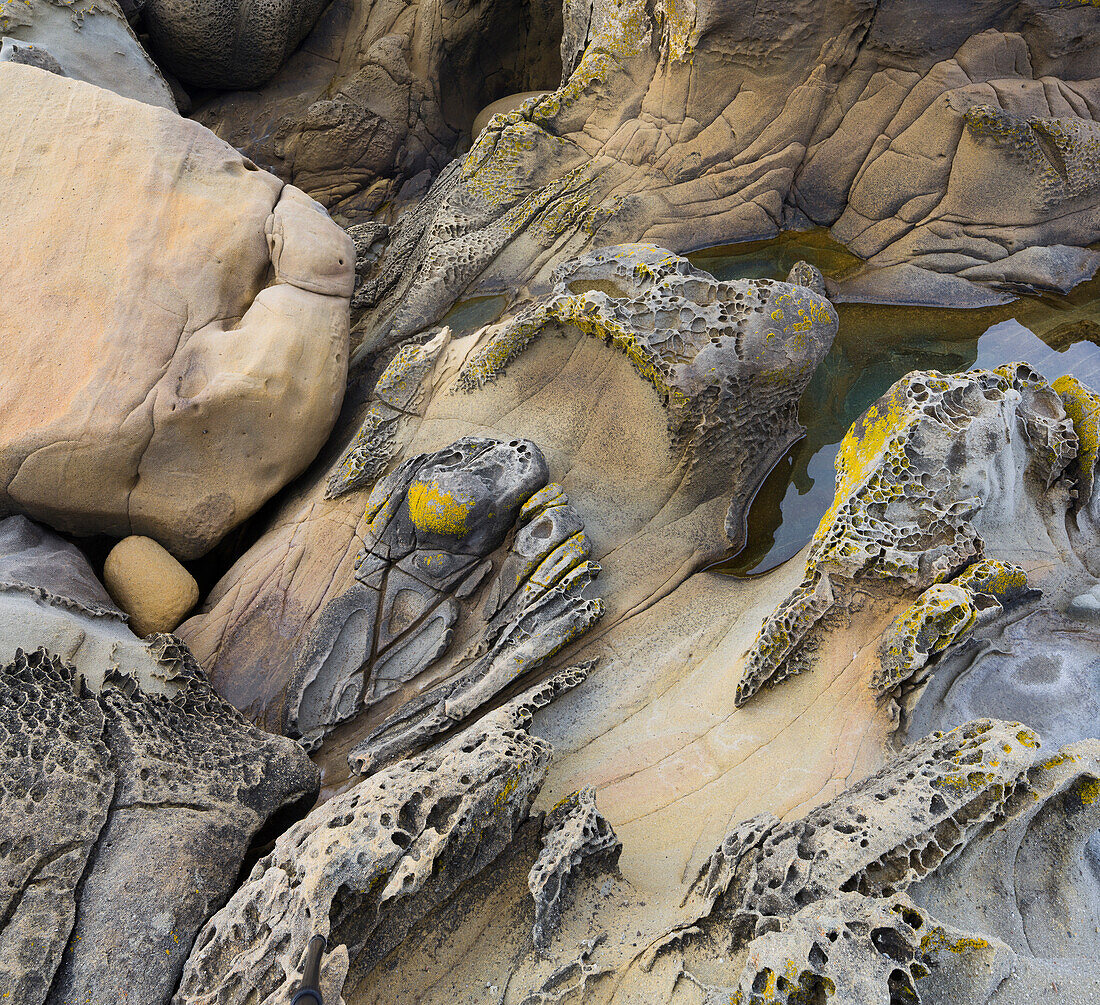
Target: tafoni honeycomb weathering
446,368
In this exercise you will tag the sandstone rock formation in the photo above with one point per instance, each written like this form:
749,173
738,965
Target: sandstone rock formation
937,484
84,39
658,398
126,817
365,866
955,149
894,890
167,374
432,526
471,546
382,96
227,43
149,584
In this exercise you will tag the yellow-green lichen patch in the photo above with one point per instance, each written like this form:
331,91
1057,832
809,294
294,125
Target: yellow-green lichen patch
943,614
1083,408
938,941
1088,791
437,511
587,313
681,32
1002,580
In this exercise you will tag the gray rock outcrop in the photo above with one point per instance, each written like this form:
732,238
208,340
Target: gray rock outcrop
227,43
83,39
364,867
126,818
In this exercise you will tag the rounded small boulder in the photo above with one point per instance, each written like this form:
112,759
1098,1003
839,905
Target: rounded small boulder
149,585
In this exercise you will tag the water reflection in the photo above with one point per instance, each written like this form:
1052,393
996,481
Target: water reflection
876,345
473,313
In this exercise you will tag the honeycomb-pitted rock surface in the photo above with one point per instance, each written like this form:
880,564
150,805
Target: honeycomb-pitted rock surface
125,820
923,477
881,835
366,865
729,359
575,836
227,43
195,785
57,780
852,949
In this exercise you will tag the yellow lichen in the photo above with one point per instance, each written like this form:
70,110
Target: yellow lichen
436,511
1088,791
938,941
1083,408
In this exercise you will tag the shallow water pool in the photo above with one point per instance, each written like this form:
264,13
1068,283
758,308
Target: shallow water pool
874,347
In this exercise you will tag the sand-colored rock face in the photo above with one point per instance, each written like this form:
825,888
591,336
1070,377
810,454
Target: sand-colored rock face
658,397
176,345
381,96
149,585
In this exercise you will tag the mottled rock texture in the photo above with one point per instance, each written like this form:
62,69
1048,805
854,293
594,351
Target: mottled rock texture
126,818
167,373
364,867
434,522
50,597
938,484
227,43
952,145
657,399
864,899
84,39
382,96
575,836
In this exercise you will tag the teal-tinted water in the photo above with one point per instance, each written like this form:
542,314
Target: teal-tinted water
875,346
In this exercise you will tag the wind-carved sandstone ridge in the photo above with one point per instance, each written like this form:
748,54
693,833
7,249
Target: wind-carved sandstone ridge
622,422
957,497
365,866
952,146
167,374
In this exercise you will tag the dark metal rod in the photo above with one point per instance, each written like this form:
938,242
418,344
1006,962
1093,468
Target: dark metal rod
309,992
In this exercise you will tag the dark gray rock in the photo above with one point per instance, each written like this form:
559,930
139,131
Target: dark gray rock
125,819
227,43
434,522
57,779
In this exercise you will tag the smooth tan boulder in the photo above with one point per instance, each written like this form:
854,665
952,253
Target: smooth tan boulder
174,324
149,585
